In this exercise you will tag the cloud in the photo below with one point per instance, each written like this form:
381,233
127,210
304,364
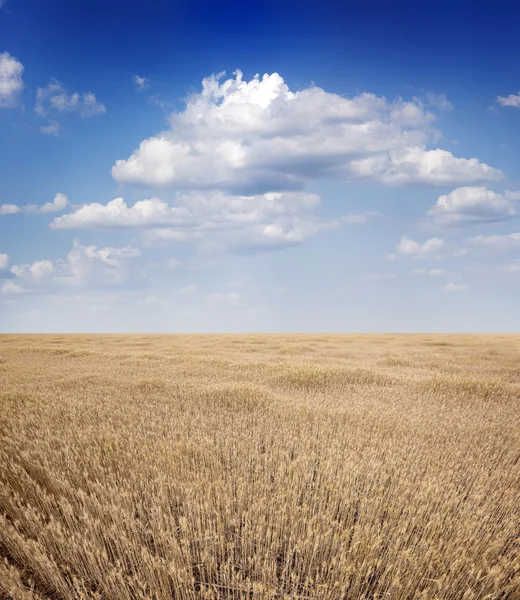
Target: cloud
4,261
417,165
496,242
35,272
51,129
84,266
470,205
59,203
379,276
54,97
360,218
513,100
11,287
430,272
512,268
439,101
173,263
430,248
268,220
259,136
140,83
454,287
11,82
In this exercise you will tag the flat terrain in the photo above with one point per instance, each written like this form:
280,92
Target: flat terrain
259,467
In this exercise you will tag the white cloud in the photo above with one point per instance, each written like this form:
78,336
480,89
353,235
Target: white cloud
496,242
141,83
513,100
469,205
417,165
11,287
258,136
454,287
59,203
430,272
379,276
430,248
173,263
439,101
11,82
4,261
9,209
33,273
513,267
52,129
85,266
268,220
54,97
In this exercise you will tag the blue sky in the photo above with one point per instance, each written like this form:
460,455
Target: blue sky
284,166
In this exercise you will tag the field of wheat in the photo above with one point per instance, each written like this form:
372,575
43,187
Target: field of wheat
259,467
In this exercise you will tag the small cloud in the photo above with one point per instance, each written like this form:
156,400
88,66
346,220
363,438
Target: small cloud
496,242
454,287
360,218
4,262
59,203
11,82
512,268
141,83
413,249
10,287
379,276
54,97
51,129
9,209
473,205
173,263
439,101
513,100
430,272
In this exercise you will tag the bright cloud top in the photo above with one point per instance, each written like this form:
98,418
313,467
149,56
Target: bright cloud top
259,136
4,261
496,242
11,82
513,100
469,205
54,97
59,203
430,248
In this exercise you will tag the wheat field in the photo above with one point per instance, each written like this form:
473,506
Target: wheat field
260,467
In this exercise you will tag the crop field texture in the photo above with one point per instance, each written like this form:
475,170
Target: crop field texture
259,467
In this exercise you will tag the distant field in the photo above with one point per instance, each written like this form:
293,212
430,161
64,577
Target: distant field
259,467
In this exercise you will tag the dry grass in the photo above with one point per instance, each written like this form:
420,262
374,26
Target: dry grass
276,467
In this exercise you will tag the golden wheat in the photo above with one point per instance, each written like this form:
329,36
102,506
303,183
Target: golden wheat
259,467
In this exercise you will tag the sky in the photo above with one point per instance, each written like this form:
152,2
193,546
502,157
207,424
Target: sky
177,167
